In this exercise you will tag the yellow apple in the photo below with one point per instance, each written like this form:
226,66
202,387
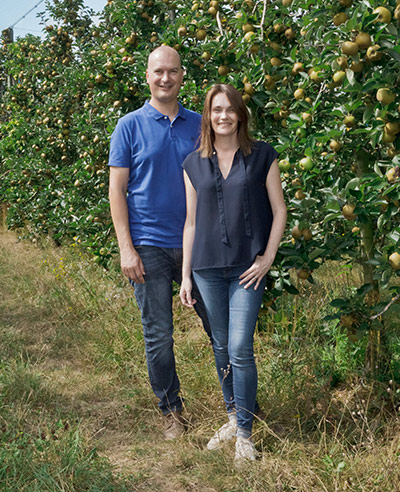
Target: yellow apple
299,94
201,34
385,96
384,15
394,260
302,273
297,68
350,48
357,67
296,232
393,174
275,62
340,18
348,211
373,53
335,145
392,127
363,39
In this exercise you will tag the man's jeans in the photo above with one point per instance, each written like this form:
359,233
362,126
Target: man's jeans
232,311
154,298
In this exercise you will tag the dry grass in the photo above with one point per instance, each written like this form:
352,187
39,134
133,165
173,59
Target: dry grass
72,351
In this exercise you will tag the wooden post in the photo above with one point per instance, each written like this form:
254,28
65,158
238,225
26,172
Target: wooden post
3,215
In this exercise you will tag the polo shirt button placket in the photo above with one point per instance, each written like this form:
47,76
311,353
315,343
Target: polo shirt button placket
172,132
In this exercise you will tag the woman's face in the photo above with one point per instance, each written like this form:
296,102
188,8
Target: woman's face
224,120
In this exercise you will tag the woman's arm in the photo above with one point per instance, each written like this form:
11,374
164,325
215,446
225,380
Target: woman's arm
188,238
263,263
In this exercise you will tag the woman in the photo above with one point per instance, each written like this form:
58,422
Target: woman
235,220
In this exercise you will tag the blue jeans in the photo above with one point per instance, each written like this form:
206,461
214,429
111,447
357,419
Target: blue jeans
154,298
232,311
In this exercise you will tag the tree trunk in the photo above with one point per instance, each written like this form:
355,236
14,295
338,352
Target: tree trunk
377,356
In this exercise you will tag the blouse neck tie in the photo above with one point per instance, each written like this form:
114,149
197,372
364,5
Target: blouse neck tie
220,196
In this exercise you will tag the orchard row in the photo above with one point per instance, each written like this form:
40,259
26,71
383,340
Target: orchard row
321,80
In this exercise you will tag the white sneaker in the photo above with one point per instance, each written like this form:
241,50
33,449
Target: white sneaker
245,450
225,433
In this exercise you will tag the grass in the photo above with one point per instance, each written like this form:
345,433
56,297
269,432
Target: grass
77,412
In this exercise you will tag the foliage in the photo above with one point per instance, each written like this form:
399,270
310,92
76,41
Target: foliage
321,79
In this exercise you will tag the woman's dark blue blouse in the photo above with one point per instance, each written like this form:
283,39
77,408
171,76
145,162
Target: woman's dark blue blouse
233,215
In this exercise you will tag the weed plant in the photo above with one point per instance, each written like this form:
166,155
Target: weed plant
77,412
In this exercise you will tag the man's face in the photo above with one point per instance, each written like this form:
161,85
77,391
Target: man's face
164,75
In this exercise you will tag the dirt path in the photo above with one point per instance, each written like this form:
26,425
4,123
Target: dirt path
66,319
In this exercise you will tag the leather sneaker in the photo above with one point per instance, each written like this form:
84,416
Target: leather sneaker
245,450
224,433
174,426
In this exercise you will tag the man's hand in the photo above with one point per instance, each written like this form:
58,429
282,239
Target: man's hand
132,266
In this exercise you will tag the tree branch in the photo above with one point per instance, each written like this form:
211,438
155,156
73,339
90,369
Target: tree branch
265,2
385,308
219,24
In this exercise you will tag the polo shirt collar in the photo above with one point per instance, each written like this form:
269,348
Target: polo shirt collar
157,115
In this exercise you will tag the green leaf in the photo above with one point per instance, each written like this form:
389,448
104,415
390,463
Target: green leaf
394,54
339,303
308,152
318,252
381,222
364,289
291,289
367,113
331,217
352,184
350,76
356,193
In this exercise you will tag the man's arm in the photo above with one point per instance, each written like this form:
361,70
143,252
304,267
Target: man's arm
131,264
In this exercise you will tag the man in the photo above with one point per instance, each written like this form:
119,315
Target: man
148,208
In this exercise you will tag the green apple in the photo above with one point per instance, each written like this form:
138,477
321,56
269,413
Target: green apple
339,76
301,132
306,163
284,165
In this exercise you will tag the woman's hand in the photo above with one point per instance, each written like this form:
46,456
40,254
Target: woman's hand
255,273
186,293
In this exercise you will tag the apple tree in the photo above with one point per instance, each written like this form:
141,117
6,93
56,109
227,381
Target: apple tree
320,78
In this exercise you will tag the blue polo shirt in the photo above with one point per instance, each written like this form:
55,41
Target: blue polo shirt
153,148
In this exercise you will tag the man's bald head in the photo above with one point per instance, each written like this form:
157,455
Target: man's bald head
164,52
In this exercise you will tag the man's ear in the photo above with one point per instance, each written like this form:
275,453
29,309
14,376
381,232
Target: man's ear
147,75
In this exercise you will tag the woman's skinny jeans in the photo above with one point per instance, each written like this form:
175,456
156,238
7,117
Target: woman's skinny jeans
232,312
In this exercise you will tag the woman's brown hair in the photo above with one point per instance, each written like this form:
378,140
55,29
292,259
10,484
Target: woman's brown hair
207,136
